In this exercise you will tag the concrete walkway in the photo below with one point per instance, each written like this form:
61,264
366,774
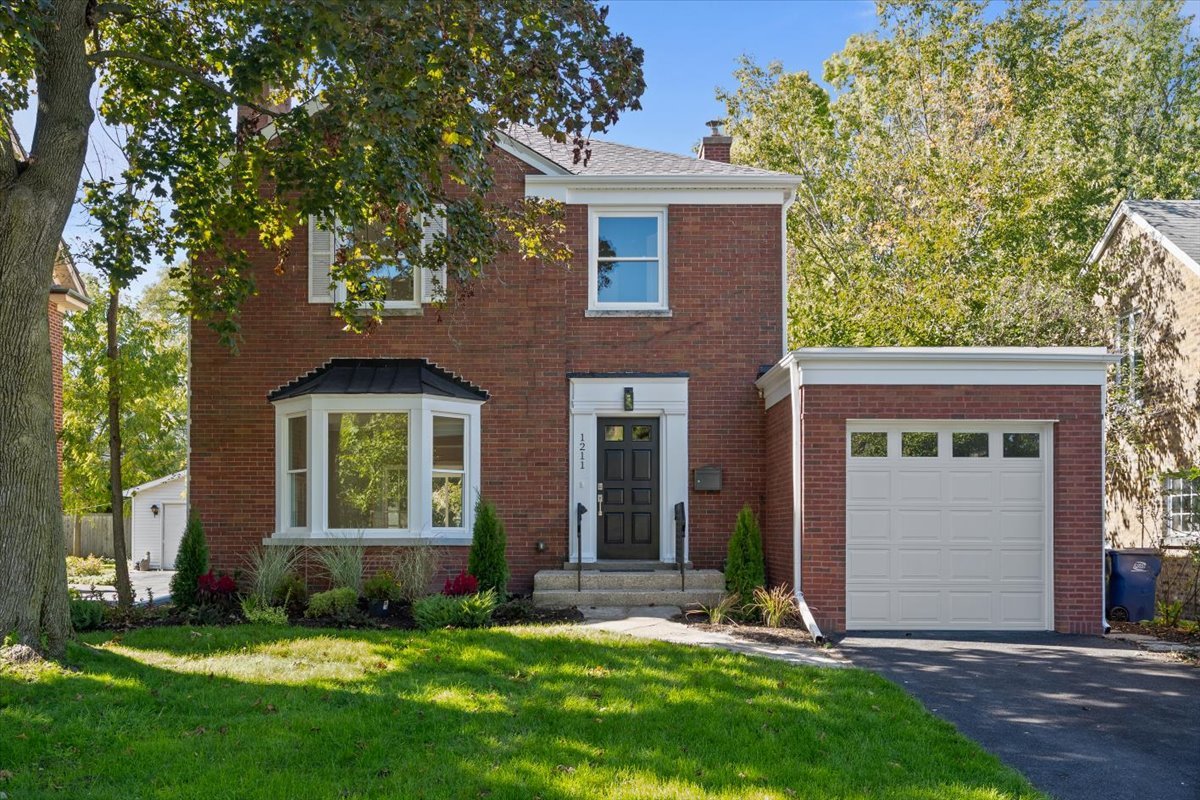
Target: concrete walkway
654,622
156,582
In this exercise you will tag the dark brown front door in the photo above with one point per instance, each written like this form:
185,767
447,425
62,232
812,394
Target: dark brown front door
627,488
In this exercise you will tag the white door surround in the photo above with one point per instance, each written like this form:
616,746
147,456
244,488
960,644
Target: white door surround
958,540
594,396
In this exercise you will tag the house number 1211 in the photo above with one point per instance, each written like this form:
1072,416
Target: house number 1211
582,451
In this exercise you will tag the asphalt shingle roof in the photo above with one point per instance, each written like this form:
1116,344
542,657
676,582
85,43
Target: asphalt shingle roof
1178,220
610,158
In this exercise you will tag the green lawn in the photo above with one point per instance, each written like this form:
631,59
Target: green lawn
260,712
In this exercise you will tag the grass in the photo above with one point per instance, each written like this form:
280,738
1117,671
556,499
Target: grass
91,569
270,712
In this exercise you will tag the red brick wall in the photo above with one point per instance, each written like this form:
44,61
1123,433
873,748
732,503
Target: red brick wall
56,372
1078,484
518,336
777,515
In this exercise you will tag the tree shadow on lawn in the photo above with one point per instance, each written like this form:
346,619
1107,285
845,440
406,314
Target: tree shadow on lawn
274,712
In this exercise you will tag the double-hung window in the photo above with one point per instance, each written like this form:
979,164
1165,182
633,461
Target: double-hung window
627,267
1181,509
391,268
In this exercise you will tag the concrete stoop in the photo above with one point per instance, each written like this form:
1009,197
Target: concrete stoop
608,587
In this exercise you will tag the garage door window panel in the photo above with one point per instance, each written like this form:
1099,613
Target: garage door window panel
919,444
969,445
1022,445
869,444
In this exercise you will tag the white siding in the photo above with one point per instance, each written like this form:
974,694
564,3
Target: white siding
147,533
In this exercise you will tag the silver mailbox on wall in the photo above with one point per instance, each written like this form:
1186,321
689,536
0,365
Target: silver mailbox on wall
706,479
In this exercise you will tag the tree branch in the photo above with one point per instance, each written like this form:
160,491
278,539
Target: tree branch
179,69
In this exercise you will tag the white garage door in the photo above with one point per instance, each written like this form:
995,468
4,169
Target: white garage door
947,525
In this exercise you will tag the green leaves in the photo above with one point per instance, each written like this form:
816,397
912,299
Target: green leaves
957,177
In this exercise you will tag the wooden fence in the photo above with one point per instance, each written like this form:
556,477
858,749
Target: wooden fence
92,534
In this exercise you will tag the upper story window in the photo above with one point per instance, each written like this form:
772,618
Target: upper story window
1129,347
627,268
405,287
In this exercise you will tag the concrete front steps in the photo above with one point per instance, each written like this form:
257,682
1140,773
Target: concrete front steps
607,586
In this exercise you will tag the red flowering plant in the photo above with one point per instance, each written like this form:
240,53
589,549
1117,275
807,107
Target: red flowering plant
218,590
460,584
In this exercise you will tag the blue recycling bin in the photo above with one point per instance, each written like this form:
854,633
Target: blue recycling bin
1132,578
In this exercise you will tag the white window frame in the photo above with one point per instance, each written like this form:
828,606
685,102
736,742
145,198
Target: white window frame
436,473
594,214
343,239
422,294
1179,486
421,409
1128,345
288,472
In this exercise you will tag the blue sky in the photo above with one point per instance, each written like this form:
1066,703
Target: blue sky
691,48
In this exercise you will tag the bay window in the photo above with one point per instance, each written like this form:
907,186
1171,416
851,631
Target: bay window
354,460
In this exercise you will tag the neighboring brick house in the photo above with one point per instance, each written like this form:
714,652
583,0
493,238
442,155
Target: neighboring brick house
593,404
1153,247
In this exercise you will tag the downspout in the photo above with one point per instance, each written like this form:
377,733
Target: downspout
1104,626
806,614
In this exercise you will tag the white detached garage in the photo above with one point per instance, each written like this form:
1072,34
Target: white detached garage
157,518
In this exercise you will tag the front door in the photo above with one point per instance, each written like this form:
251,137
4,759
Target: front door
627,488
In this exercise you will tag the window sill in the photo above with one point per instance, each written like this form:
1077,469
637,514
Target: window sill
440,540
628,312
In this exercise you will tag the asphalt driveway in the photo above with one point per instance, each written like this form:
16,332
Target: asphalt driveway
1082,717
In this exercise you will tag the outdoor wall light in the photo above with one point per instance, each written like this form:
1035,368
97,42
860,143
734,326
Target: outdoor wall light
154,509
541,546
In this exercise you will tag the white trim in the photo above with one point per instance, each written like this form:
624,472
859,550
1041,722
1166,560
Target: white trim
681,181
141,487
594,215
592,398
783,258
944,366
420,410
601,194
1122,213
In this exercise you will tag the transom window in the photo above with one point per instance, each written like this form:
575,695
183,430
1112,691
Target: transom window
627,268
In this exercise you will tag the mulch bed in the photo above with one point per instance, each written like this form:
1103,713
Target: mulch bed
792,632
1179,635
517,611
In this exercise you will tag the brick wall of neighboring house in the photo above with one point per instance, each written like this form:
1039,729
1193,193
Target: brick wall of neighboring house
1078,488
1168,295
778,513
518,336
56,372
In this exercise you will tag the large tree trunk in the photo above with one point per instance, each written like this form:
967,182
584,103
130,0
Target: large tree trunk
124,589
35,201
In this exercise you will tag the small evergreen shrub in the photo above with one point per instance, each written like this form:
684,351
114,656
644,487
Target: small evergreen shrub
744,568
291,593
190,564
381,586
336,603
487,560
446,611
86,615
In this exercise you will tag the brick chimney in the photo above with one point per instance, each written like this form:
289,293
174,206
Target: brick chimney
715,146
262,120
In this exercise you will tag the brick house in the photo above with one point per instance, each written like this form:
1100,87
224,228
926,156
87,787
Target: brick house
597,405
1154,246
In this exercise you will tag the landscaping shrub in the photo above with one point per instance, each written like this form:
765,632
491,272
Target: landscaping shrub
487,560
91,569
460,584
775,606
216,590
291,593
381,586
336,603
344,563
744,568
414,570
446,611
86,615
724,610
190,564
269,567
258,612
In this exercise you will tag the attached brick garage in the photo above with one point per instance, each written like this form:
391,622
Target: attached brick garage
938,488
